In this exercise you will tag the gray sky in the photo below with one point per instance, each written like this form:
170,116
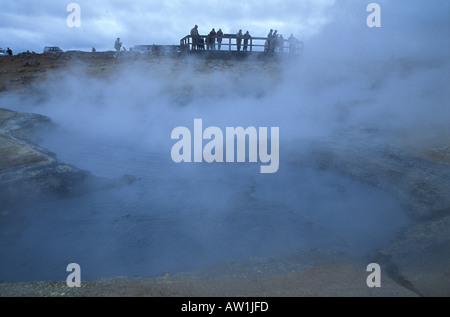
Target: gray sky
33,24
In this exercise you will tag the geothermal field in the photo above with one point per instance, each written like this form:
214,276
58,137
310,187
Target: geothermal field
87,174
231,174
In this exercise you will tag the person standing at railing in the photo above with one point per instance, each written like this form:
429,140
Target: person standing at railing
247,37
194,35
281,43
212,40
219,38
293,42
274,41
269,40
200,43
239,37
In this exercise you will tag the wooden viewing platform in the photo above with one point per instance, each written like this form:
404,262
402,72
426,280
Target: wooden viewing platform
256,46
229,44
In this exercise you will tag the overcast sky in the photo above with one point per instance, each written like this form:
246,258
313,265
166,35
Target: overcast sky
33,24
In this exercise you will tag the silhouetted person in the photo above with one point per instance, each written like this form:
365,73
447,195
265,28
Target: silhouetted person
9,51
94,50
247,37
201,43
269,41
219,38
239,37
117,46
293,42
212,40
194,35
281,44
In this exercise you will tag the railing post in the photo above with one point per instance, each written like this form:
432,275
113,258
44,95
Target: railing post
251,45
229,43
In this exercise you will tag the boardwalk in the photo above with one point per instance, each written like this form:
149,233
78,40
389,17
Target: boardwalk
230,44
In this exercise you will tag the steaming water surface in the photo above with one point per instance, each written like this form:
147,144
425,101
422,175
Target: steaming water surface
179,217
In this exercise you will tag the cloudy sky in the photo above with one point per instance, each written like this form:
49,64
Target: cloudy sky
33,24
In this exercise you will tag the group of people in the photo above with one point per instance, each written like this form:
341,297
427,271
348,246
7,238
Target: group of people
198,42
239,38
274,43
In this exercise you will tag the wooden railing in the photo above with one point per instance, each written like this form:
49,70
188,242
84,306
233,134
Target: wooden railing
229,43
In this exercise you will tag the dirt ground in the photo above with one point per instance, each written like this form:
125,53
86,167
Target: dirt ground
324,280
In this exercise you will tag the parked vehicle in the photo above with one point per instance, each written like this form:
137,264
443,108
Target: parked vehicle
3,52
52,50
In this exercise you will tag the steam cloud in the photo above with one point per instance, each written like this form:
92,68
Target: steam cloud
184,216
